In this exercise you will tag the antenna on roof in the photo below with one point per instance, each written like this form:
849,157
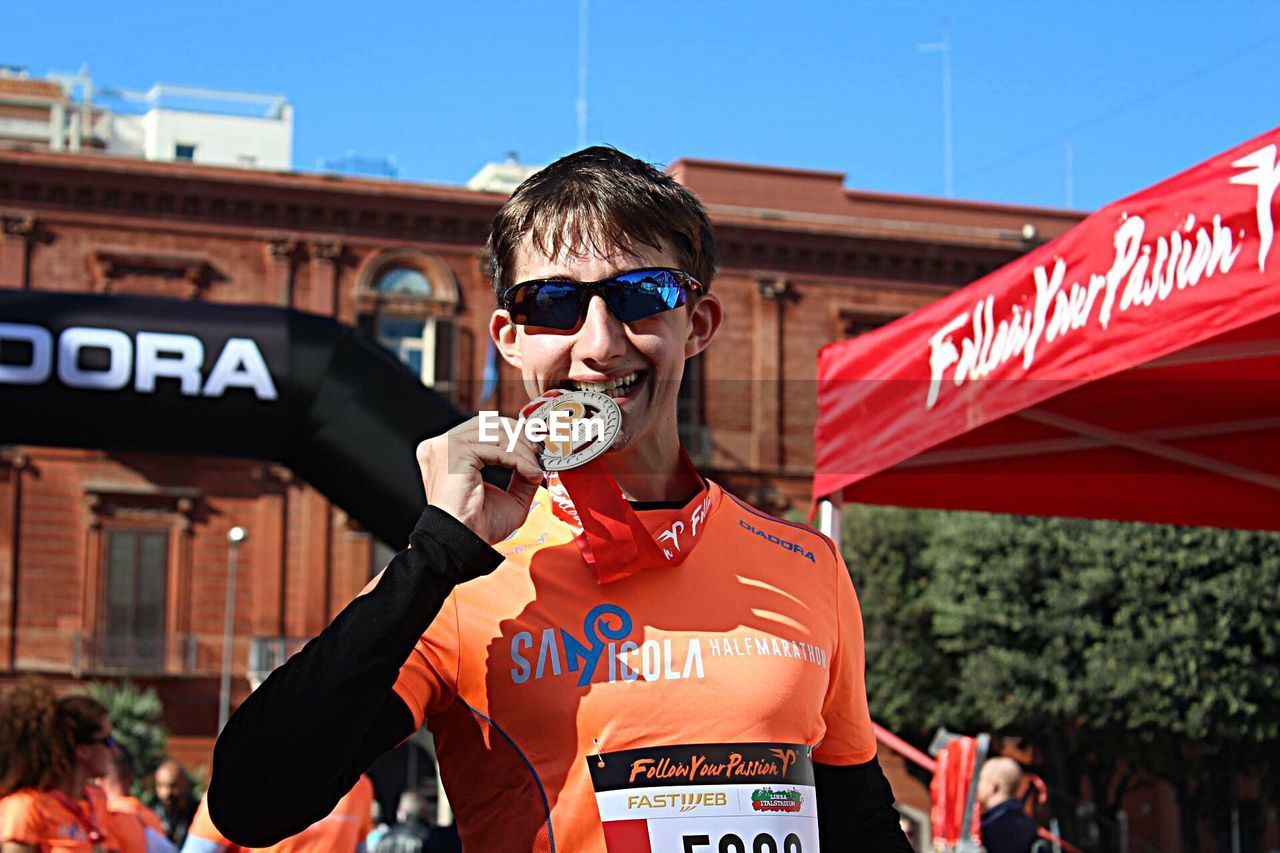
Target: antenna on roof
944,47
582,73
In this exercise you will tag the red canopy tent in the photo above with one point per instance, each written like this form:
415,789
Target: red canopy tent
1128,369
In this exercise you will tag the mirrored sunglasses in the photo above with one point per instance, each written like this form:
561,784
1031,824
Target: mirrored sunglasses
561,304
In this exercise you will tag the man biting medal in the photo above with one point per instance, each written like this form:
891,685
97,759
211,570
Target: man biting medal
612,653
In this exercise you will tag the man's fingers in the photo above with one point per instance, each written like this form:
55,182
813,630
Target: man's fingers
522,460
523,489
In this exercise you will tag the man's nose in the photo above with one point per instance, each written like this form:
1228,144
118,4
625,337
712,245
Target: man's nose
602,337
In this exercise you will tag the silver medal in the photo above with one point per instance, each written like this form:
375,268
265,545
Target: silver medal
582,424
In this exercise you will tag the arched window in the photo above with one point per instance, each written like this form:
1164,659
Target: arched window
404,281
408,302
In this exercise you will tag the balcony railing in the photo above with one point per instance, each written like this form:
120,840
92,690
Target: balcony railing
130,655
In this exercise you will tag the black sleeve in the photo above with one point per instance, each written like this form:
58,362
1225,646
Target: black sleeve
302,739
855,810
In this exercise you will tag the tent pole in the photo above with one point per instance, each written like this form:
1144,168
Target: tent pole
829,517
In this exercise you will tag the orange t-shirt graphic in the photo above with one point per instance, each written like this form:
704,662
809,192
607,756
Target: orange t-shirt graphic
41,820
530,672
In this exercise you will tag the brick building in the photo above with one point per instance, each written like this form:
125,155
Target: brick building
116,564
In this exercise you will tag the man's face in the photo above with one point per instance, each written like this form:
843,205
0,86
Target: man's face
648,354
171,787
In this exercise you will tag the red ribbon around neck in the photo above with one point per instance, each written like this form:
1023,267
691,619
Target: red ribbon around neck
613,539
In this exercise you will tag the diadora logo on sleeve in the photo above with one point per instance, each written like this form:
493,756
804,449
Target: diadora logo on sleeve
605,631
798,550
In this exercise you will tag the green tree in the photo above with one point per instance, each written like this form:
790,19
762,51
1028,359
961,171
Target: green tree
135,722
1113,648
908,683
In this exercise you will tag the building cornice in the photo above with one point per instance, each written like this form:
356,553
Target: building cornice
751,248
252,203
243,200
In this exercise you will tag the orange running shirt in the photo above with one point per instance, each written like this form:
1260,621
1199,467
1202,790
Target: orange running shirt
746,656
131,821
137,808
342,830
204,837
127,831
37,818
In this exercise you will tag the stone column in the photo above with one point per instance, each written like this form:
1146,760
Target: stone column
282,267
327,260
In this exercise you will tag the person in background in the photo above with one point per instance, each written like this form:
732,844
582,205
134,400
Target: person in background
1006,828
126,813
412,829
174,803
343,830
380,826
49,750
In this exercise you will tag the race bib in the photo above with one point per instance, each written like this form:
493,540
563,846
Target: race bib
707,798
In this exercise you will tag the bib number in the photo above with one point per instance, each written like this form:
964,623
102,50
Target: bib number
707,798
730,843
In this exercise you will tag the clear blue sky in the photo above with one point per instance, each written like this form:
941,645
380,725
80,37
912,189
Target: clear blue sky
1141,90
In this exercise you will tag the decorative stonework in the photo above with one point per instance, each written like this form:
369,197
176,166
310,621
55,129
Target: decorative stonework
333,251
446,296
285,248
854,256
14,459
192,273
247,203
105,500
270,473
21,225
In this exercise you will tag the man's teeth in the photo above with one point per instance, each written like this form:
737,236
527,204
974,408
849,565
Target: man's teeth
612,386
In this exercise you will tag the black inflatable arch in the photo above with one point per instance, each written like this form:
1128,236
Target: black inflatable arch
141,373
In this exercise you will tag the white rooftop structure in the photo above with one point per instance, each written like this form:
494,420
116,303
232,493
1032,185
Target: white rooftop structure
501,177
65,112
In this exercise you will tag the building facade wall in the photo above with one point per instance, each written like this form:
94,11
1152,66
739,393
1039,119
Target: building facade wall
74,223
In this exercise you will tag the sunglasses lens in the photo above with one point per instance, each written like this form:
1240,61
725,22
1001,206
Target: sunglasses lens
644,293
552,305
631,296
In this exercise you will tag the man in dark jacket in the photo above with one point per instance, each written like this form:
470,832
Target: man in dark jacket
1005,826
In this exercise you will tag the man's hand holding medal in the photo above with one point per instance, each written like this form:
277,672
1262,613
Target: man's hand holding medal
557,431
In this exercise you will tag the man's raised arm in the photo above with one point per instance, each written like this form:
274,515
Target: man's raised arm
302,739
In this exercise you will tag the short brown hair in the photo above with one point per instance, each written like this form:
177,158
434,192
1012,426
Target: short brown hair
601,198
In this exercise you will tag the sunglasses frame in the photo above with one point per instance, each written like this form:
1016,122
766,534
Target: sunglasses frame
587,289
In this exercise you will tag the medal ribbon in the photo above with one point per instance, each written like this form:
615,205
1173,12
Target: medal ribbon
613,539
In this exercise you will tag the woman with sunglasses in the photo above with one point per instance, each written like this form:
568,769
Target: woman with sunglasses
49,750
613,657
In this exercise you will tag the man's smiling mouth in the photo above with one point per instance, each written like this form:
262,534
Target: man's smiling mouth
619,387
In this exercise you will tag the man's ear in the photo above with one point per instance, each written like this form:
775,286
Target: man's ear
705,317
506,336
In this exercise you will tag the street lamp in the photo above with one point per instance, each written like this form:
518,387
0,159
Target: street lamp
235,536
